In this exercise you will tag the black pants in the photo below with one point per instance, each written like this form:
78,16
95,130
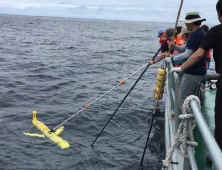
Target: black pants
218,113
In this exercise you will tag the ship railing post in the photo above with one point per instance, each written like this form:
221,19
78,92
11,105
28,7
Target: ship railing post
176,104
170,85
173,80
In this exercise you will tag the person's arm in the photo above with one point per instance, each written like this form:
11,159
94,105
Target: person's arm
194,58
183,56
205,46
162,56
181,49
158,58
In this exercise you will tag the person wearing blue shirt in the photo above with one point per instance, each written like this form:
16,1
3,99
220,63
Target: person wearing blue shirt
193,75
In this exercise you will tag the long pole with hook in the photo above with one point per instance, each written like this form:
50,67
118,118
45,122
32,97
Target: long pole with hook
126,96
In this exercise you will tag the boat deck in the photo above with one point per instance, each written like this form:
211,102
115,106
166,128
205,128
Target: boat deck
208,112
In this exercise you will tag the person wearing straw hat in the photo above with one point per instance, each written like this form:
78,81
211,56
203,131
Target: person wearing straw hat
213,40
192,76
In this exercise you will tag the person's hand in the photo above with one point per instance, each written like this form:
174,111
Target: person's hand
165,53
151,62
176,69
168,54
171,45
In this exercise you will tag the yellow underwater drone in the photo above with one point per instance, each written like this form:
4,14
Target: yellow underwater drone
47,132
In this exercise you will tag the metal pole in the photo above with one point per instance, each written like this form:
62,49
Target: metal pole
167,110
147,140
127,95
192,159
176,104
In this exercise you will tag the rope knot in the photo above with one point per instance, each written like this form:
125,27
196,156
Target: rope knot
184,135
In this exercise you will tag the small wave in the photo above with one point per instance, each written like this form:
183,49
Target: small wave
28,42
71,47
19,83
80,96
2,59
50,88
13,85
6,103
63,84
42,76
11,92
151,52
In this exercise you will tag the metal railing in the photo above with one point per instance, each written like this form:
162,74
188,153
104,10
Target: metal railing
172,112
212,147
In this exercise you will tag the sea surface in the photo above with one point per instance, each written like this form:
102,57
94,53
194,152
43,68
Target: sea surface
58,65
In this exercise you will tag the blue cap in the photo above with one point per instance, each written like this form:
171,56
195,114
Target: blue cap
161,31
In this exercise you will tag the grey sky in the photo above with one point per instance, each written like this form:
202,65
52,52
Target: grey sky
134,10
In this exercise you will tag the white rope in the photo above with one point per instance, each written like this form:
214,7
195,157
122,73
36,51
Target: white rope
135,72
184,135
99,97
117,85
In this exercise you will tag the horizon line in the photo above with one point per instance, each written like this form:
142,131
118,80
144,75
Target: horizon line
93,18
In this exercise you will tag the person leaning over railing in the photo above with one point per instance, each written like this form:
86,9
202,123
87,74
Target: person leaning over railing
167,36
185,34
161,34
165,48
213,40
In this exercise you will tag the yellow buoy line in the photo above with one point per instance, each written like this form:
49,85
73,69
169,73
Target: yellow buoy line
160,84
53,134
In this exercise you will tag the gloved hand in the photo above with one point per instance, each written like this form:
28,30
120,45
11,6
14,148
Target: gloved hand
176,69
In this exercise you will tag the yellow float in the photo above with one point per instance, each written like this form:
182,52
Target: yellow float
160,84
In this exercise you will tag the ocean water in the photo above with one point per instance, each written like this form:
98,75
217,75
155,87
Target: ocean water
56,66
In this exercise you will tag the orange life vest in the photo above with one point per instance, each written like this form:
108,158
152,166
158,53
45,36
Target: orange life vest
162,40
209,53
178,41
